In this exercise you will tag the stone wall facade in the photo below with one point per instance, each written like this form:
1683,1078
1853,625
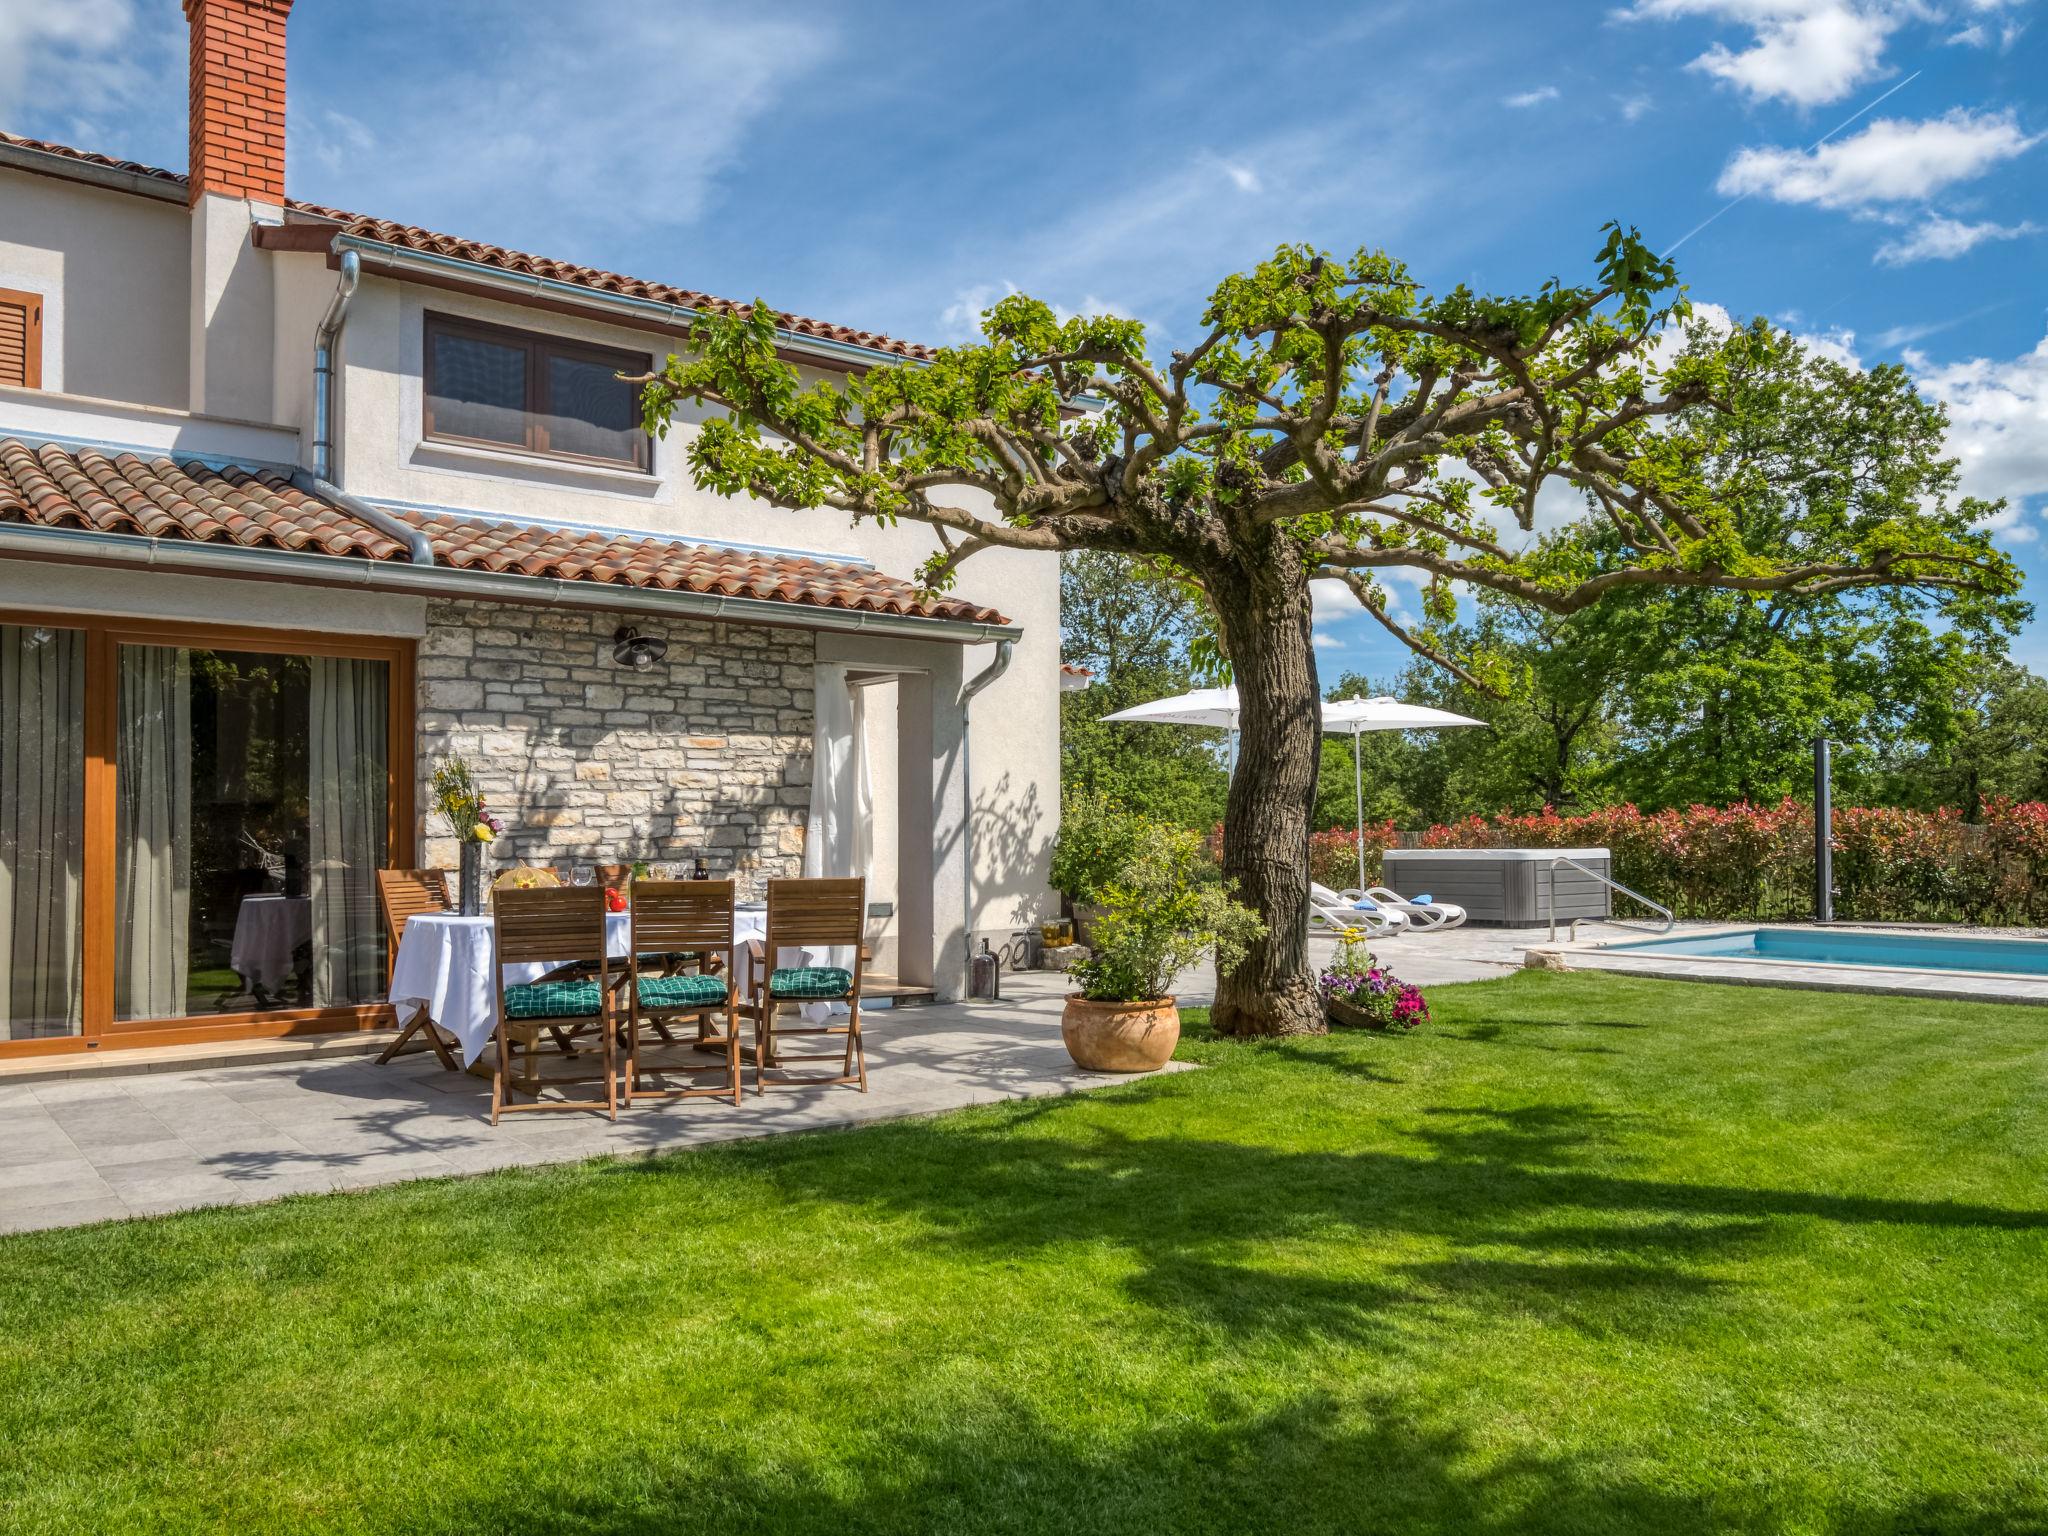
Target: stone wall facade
586,761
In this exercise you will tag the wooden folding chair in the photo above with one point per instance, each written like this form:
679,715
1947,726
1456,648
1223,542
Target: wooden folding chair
672,918
551,926
404,894
810,914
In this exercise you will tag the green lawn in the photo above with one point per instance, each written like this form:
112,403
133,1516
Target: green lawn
1588,1254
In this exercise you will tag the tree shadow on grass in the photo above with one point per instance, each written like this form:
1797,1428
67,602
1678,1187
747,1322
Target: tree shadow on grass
1219,1231
1320,1463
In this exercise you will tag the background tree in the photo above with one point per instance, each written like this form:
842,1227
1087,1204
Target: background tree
1998,747
1133,627
1335,419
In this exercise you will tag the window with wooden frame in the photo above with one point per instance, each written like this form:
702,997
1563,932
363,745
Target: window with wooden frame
21,338
500,388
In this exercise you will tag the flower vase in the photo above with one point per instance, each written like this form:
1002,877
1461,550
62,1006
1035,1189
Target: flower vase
470,878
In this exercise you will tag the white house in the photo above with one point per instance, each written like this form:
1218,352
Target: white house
295,502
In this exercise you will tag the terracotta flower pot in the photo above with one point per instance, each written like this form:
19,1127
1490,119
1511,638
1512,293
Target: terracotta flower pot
1121,1037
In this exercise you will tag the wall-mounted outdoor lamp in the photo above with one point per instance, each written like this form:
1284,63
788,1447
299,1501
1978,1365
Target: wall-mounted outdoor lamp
632,649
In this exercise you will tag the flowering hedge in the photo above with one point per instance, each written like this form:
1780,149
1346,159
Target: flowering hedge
1756,861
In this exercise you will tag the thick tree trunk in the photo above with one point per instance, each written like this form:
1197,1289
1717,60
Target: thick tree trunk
1265,618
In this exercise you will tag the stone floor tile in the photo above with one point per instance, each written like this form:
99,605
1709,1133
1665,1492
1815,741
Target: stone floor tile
69,1213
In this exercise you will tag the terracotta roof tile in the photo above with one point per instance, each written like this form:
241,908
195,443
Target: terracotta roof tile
53,486
155,173
412,237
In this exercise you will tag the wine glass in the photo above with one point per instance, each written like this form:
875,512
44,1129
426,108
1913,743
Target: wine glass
583,875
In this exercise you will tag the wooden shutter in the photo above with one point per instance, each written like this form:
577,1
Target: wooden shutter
21,338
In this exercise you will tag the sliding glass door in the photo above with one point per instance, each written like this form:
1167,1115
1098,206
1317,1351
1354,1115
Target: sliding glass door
191,822
42,831
250,821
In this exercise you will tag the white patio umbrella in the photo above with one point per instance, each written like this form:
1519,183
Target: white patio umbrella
1217,707
1354,717
1213,707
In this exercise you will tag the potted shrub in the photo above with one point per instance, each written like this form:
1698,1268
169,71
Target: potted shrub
1159,914
1096,841
1359,991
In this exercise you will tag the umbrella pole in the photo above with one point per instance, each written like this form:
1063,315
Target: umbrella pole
1358,793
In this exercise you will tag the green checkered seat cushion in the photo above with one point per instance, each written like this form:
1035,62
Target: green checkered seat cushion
680,991
810,981
552,1000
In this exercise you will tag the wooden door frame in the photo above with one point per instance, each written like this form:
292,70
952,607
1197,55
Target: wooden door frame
104,637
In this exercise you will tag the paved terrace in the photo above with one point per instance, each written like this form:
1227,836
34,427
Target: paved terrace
101,1145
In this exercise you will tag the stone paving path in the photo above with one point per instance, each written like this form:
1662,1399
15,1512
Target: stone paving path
85,1150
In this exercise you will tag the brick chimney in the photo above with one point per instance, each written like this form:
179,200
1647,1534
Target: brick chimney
237,84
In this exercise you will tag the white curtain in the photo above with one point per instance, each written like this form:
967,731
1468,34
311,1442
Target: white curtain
347,834
840,840
42,829
153,831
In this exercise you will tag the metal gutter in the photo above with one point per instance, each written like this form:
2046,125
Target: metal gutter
40,162
33,541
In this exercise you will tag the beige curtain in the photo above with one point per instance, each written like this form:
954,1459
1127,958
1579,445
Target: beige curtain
345,760
153,832
42,829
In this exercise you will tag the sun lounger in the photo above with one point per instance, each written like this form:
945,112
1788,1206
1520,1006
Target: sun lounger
1351,912
1424,914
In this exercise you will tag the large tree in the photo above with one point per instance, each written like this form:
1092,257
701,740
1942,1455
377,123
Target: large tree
1335,419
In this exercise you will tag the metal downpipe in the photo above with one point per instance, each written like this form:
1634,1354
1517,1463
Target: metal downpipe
988,674
319,480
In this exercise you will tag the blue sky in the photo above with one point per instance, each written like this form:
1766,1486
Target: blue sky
896,166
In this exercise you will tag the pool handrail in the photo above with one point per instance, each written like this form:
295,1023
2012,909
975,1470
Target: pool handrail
1550,899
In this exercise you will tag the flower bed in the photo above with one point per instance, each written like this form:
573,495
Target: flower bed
1359,991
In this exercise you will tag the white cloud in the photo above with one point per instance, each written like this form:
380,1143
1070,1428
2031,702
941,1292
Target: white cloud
1635,108
1998,425
1892,161
1807,52
1534,98
1330,600
961,319
575,126
101,74
1240,176
1837,346
1988,32
1941,239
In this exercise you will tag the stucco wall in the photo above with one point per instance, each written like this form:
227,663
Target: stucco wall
113,270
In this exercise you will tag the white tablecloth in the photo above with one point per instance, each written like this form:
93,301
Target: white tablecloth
267,930
444,966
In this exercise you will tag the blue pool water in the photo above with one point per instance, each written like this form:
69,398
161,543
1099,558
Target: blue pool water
1832,946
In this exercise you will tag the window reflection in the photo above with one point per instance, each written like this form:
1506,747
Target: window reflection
250,818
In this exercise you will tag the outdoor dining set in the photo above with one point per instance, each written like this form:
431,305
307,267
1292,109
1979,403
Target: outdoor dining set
582,1007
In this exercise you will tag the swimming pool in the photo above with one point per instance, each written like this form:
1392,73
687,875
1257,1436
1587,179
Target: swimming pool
1836,946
